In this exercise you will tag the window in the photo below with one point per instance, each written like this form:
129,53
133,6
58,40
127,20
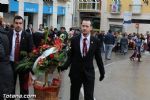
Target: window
115,6
89,5
136,7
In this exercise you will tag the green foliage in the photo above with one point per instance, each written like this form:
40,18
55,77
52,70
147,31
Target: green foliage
24,65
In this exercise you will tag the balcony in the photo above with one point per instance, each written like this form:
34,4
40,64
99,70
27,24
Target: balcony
89,6
115,8
136,9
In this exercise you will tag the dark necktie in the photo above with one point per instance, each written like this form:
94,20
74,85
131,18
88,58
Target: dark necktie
84,47
17,47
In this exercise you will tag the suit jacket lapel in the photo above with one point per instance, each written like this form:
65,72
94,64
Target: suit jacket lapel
10,39
91,45
22,37
78,45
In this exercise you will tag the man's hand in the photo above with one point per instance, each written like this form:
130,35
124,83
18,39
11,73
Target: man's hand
61,68
101,77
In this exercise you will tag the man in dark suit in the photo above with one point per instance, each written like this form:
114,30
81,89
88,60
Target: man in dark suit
83,49
29,29
19,41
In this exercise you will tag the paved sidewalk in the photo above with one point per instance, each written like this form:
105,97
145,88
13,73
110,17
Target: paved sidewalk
125,80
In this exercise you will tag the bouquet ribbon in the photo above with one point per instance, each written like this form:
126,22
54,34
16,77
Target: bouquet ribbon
44,55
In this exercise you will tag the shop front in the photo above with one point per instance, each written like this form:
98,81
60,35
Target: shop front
47,12
60,16
30,11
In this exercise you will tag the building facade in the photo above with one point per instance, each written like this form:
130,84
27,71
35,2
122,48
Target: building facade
56,13
125,15
87,9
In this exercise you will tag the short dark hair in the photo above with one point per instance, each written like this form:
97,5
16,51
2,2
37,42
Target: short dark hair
87,19
18,17
63,28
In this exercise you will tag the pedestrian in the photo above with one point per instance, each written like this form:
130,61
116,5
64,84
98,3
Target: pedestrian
30,29
124,44
137,51
101,38
20,40
63,34
109,41
6,73
82,51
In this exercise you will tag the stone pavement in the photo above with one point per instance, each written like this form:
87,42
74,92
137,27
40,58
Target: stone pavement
124,80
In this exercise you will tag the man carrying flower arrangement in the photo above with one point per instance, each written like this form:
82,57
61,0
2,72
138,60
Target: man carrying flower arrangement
20,41
83,49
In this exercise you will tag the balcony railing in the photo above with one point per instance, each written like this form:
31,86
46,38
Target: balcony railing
136,9
89,5
115,8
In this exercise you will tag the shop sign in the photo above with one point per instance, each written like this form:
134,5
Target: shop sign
47,9
30,7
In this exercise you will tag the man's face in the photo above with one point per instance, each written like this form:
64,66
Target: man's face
62,30
86,27
18,25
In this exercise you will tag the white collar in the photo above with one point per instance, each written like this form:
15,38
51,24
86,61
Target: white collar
88,37
19,32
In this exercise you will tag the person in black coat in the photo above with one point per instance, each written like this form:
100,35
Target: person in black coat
6,73
84,48
25,44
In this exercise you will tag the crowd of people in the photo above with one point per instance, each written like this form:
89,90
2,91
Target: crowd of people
122,42
84,46
13,40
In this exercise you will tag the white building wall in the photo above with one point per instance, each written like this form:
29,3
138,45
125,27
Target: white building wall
52,19
40,13
32,1
68,16
54,15
37,17
143,28
104,20
21,8
1,14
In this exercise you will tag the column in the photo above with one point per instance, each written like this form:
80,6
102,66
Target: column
68,16
38,17
75,13
104,19
54,15
1,14
21,8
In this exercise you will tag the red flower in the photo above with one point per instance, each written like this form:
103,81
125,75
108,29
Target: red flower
35,51
41,61
58,44
51,56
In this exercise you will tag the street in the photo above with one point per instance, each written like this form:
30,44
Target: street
124,80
